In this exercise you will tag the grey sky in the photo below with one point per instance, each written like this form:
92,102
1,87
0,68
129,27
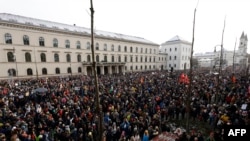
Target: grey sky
155,20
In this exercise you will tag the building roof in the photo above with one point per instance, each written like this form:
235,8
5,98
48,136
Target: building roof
71,28
177,39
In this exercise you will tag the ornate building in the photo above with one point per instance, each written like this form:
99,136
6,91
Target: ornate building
37,48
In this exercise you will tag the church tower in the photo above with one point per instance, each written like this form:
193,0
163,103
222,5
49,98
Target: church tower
242,49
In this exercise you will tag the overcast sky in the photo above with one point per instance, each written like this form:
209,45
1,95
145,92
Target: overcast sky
154,20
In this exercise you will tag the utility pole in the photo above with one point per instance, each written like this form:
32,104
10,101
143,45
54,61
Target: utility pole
189,93
234,56
221,63
98,106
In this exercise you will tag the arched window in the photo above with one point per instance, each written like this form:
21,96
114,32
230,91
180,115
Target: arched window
88,45
55,42
88,58
113,59
78,45
79,70
69,70
131,58
97,58
105,48
27,57
57,71
44,71
12,72
125,58
79,58
105,58
125,49
119,48
68,58
67,44
131,49
56,57
11,57
26,40
29,71
43,57
8,38
97,46
41,41
112,48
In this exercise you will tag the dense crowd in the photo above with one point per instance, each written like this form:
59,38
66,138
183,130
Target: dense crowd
136,106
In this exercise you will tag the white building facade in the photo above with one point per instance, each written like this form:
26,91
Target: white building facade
38,48
237,57
179,51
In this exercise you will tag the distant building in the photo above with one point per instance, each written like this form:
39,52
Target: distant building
238,57
179,51
37,48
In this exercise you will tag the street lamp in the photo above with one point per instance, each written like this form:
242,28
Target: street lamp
14,56
214,54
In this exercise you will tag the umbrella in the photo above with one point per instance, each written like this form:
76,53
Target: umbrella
41,90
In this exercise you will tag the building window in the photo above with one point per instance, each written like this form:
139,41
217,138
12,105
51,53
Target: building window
88,58
150,59
68,58
55,42
125,49
145,67
26,40
67,44
112,48
119,48
11,57
57,71
56,57
150,51
154,59
79,58
125,58
97,58
43,57
131,58
78,45
154,51
141,59
41,41
113,58
8,38
69,70
105,47
170,58
79,70
96,46
105,58
175,49
174,57
136,59
141,67
27,57
12,72
141,50
119,58
136,49
146,59
175,65
88,45
131,67
136,68
29,71
44,71
146,50
131,49
150,67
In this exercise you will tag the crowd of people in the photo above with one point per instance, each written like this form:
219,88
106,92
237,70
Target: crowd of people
134,106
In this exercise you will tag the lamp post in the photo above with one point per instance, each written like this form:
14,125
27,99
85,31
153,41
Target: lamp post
35,63
14,53
214,55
